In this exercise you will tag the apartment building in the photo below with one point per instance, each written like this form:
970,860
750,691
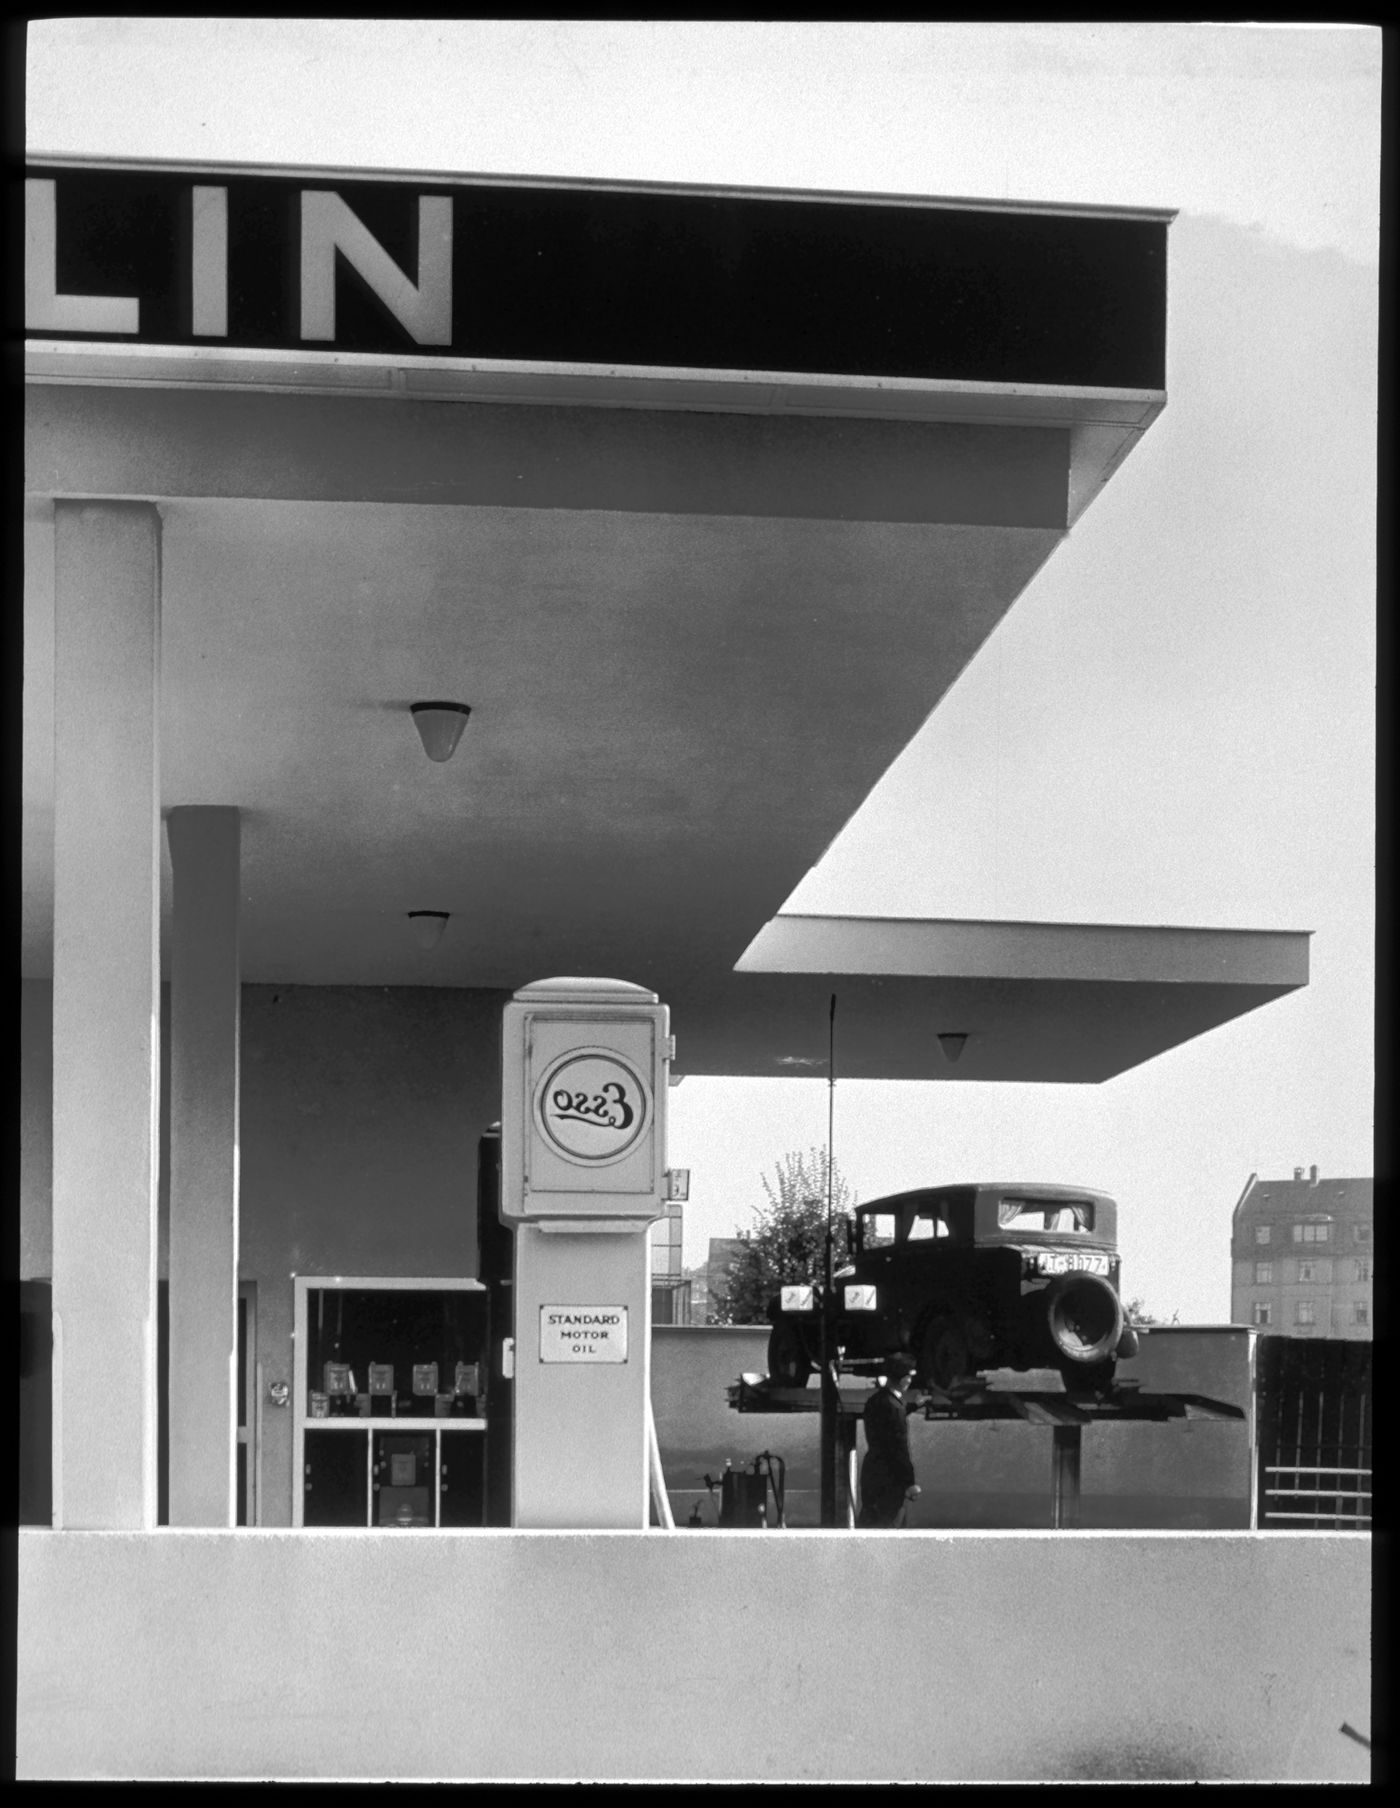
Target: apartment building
1302,1256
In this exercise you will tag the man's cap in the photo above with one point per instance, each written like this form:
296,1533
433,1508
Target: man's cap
899,1364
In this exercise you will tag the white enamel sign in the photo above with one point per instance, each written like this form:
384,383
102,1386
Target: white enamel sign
592,1106
583,1333
583,1102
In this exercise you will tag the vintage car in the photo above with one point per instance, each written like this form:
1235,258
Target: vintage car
969,1278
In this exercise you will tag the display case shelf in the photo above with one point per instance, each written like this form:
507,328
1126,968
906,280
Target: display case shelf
394,1470
405,1424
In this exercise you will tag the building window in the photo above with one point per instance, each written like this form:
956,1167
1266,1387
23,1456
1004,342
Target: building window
1361,1313
1262,1233
1307,1271
1263,1274
1311,1233
1305,1312
666,1244
1363,1271
1361,1233
1263,1315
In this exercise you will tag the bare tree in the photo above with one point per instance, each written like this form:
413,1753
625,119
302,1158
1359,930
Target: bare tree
787,1244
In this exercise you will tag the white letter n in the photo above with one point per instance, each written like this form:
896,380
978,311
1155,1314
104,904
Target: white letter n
424,309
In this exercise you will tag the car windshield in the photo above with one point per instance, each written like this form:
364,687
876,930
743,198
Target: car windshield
1041,1214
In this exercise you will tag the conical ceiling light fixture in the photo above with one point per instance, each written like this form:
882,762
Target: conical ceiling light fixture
439,727
952,1042
429,926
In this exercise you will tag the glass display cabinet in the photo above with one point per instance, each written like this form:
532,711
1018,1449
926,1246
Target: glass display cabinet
390,1393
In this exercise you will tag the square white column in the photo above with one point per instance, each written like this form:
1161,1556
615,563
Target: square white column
106,1010
204,1102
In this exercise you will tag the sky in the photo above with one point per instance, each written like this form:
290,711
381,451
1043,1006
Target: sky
1175,722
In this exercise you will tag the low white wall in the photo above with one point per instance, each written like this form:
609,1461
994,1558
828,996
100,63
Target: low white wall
933,1656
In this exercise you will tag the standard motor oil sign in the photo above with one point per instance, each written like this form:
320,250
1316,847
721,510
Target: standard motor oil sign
583,1333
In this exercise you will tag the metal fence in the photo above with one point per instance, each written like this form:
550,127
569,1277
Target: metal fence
1314,1434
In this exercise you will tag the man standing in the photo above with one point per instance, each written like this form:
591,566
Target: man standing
887,1474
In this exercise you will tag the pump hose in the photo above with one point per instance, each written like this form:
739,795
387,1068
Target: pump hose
660,1499
778,1482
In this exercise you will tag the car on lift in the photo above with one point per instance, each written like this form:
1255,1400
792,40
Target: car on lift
967,1279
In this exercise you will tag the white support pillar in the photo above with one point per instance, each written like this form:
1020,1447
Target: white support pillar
203,1055
106,1011
581,1455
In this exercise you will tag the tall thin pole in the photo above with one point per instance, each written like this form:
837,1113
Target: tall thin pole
830,1127
830,1391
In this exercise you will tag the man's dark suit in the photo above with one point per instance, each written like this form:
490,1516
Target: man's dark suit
888,1470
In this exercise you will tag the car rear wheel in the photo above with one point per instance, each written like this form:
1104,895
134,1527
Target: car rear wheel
944,1354
788,1362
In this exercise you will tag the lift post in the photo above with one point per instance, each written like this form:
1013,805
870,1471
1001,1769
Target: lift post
1064,1484
830,1386
831,1443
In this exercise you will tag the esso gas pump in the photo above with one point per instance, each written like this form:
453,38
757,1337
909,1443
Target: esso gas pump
583,1176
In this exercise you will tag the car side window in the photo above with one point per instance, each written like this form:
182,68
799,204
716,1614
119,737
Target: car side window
878,1229
924,1227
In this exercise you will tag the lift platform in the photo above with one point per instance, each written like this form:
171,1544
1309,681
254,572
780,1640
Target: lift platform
1038,1397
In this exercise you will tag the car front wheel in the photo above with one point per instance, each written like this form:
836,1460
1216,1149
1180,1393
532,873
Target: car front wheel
788,1362
944,1354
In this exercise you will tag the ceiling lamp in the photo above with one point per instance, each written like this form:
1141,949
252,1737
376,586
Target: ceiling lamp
952,1042
439,727
428,926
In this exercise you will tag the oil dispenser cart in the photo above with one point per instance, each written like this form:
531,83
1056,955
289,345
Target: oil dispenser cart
1067,1414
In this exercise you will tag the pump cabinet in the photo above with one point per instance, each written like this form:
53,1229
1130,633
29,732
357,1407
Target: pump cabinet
391,1399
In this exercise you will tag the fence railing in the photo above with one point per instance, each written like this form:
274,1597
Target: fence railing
1340,1498
1313,1424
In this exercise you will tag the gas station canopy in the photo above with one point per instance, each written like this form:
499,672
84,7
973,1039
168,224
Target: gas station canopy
700,571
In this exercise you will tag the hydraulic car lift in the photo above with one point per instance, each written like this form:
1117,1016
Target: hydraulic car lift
991,1397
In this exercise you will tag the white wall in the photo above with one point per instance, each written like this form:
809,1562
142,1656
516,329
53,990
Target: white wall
362,1108
937,1656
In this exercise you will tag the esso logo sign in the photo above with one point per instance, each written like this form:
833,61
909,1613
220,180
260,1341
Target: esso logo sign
592,1106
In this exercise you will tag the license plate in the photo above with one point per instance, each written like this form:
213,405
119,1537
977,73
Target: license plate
1081,1262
